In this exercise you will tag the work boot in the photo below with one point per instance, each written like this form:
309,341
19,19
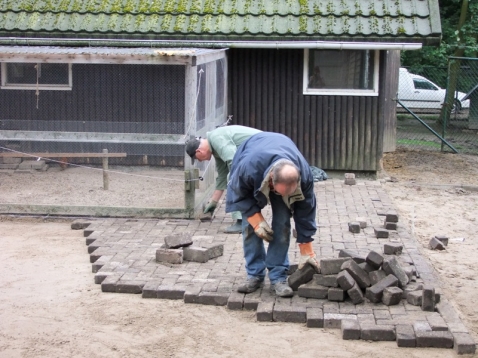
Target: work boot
235,228
250,285
282,289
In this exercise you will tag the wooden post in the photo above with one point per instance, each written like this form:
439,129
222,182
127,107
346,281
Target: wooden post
106,182
189,192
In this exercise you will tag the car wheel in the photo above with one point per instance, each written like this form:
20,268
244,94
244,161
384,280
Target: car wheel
456,106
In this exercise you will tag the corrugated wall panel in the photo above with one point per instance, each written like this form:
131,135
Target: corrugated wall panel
333,132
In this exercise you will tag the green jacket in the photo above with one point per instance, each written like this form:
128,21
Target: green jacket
224,142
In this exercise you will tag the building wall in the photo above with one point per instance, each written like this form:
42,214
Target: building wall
333,132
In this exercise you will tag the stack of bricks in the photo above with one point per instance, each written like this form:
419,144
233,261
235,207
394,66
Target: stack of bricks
349,179
181,247
390,223
376,277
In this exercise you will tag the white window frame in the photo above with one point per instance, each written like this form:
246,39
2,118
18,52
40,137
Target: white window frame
33,86
336,91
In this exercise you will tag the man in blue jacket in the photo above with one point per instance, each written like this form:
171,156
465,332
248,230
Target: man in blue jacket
268,168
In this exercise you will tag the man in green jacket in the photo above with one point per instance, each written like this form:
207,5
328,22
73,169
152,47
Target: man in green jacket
222,143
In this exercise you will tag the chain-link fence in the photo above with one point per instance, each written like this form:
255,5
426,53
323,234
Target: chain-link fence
437,108
107,139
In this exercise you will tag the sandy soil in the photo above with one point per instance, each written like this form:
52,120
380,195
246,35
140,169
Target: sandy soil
50,306
128,186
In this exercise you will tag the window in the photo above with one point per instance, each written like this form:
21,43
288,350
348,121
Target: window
424,84
341,72
42,76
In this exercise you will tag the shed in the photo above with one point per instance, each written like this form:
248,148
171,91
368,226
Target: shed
323,73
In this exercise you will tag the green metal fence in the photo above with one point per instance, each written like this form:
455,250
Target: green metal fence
437,108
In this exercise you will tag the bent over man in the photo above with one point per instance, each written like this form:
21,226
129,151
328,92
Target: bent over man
268,168
221,143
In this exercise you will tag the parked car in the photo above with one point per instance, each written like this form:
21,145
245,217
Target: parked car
416,91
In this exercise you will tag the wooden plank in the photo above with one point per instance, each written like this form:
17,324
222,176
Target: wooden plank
62,155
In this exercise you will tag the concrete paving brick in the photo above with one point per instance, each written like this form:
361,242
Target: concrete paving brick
80,224
442,238
130,286
356,295
428,298
375,292
252,300
213,298
434,339
392,248
109,283
354,227
336,294
313,290
178,240
392,296
195,254
334,320
345,280
172,256
391,266
391,216
359,275
366,267
415,298
171,292
381,233
289,314
264,311
355,255
350,329
326,280
302,276
315,317
191,294
376,276
463,343
436,322
150,289
389,226
435,244
373,332
330,266
406,336
374,259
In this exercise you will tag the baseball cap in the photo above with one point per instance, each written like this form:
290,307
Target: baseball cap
191,146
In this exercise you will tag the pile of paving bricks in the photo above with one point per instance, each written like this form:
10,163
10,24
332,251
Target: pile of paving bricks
181,247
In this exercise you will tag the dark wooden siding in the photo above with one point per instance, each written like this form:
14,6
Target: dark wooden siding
333,132
105,98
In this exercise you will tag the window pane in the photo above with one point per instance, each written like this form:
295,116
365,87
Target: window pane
48,73
341,69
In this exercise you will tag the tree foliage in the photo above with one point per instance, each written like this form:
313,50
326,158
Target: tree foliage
465,39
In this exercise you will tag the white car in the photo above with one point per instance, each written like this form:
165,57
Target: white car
416,91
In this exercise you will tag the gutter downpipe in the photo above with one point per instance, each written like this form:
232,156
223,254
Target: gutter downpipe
342,45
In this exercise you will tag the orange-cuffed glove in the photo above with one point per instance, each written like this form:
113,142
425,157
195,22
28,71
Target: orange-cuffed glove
307,255
261,227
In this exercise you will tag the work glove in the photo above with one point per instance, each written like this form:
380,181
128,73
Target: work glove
307,255
261,227
210,207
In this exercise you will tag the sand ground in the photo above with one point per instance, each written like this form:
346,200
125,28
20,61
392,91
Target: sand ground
50,306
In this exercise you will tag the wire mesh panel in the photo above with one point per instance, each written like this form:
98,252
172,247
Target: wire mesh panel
107,135
423,120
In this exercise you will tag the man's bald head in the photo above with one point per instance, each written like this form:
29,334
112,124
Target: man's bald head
285,177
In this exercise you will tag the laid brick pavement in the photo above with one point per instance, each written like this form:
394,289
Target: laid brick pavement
123,257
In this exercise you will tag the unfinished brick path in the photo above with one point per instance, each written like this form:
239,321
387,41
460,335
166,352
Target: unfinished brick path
123,257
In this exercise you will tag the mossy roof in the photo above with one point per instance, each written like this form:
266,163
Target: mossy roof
413,21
